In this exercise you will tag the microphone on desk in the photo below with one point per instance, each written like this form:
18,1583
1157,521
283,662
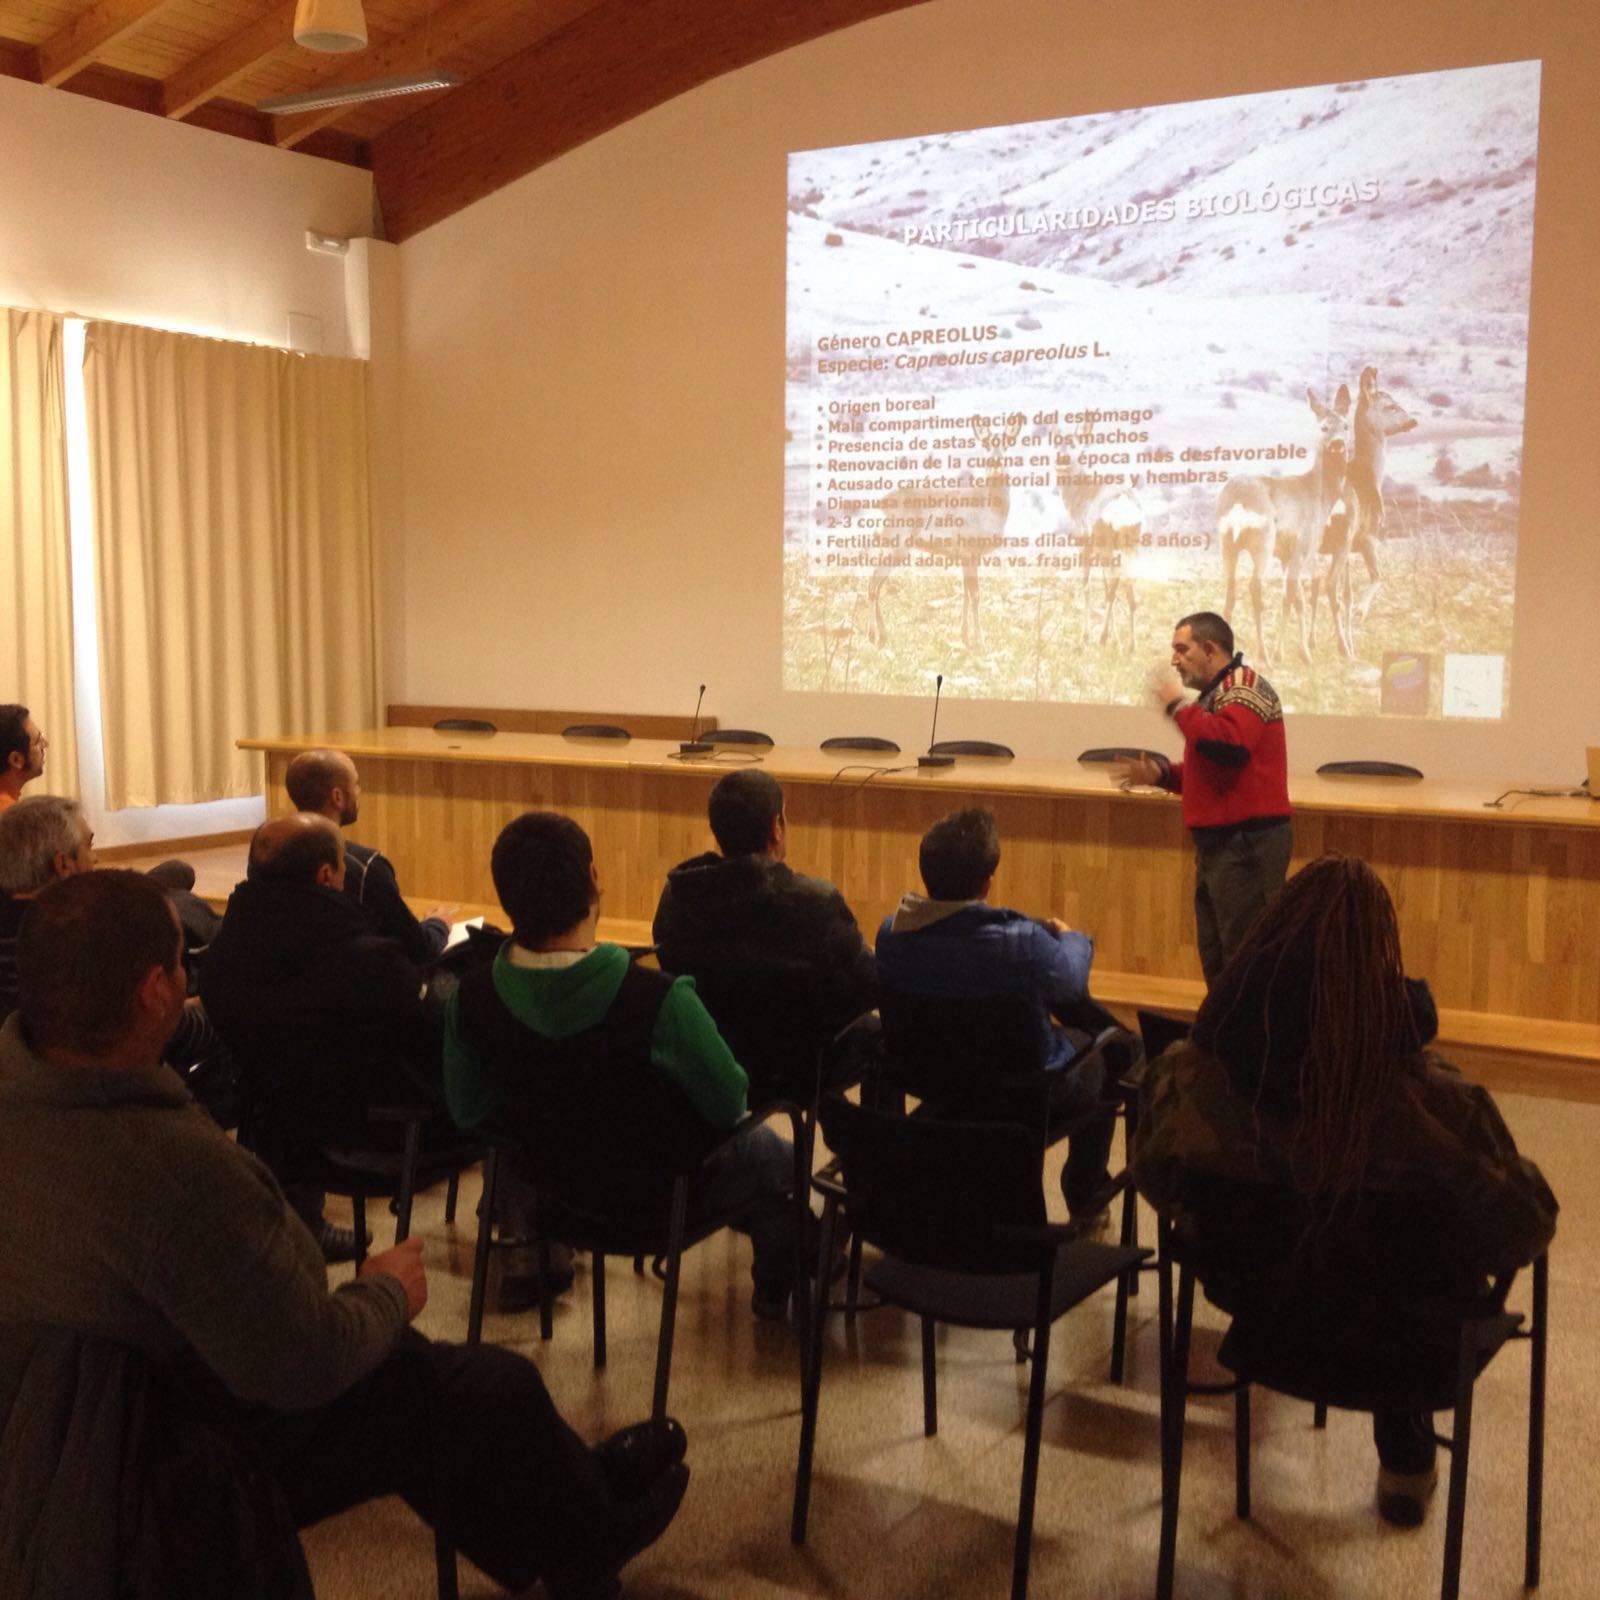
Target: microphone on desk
931,760
694,745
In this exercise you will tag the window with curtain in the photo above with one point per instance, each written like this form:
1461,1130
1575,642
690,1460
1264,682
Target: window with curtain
233,555
35,540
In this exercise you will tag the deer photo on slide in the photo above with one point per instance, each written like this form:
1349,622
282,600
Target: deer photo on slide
1109,519
1356,524
973,528
1284,518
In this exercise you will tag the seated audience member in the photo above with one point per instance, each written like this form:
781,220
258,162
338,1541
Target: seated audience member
746,913
555,1003
1306,1072
325,1015
326,782
178,1387
952,943
22,748
45,837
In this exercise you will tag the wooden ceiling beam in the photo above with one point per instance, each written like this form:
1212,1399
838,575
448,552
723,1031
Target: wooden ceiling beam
92,33
429,44
620,58
218,70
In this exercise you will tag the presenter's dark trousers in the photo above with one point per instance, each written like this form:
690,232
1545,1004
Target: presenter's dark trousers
526,1498
1236,872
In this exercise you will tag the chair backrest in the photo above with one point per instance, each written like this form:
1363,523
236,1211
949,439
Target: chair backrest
981,1059
939,1193
595,730
861,741
1367,769
773,1023
463,725
1107,754
1356,1307
734,736
971,747
1157,1031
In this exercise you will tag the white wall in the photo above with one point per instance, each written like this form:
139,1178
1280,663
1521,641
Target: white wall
106,212
593,367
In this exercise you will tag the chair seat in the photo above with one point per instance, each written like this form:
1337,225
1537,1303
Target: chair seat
623,1236
1001,1300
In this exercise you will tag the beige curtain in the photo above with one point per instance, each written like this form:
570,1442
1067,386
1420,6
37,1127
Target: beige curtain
35,546
233,556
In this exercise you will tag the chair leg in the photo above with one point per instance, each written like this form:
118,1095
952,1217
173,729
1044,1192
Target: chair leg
451,1192
442,1507
1174,1395
811,1389
802,1217
408,1180
1319,1414
930,1382
597,1280
1536,1381
852,1284
1119,1322
1460,1458
480,1254
1130,1207
1032,1432
547,1300
1241,1451
669,1300
358,1207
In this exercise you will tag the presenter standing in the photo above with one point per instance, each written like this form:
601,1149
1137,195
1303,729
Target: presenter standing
1233,778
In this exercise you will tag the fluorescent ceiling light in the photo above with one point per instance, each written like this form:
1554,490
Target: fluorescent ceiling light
349,94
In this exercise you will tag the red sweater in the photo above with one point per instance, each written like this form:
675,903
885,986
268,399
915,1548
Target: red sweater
1235,767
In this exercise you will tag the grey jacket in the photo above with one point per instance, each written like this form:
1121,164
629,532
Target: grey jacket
133,1221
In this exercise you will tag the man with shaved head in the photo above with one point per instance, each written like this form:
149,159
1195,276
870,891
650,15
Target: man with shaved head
326,783
324,1013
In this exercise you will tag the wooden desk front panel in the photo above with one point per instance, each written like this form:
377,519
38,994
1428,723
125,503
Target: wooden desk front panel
1501,916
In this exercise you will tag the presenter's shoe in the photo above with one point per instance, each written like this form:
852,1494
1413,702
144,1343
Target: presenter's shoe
337,1244
1403,1496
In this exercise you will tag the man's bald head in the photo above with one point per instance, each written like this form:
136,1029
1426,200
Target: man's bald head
325,781
300,848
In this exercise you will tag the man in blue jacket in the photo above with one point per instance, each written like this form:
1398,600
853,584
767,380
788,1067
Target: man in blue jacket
952,943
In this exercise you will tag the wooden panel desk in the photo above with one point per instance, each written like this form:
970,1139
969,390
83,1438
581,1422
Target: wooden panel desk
1499,909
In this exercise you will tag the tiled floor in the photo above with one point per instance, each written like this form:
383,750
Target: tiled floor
894,1514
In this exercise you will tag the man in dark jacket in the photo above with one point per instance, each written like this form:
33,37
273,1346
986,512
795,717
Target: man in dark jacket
324,1013
326,782
952,943
777,956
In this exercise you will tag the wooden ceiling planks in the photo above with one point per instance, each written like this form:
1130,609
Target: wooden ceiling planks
619,59
543,76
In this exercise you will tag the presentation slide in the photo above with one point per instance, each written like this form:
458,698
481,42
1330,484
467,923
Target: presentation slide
1052,386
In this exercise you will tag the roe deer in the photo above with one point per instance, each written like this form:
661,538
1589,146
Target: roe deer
972,529
1357,520
1284,517
1110,519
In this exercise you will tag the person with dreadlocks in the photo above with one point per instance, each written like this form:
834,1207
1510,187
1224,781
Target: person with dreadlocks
1307,1072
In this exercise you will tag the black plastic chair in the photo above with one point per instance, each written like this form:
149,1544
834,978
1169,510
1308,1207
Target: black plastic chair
734,736
464,725
1377,1307
1107,755
382,1175
595,730
665,1232
980,1060
1367,769
861,741
958,1211
971,747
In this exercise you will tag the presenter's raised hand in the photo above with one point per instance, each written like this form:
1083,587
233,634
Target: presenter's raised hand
403,1263
1165,686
